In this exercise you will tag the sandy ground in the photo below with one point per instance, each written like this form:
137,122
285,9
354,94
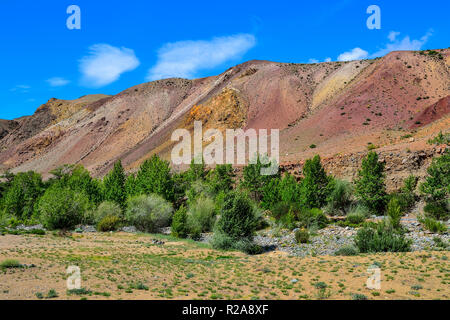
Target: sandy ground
128,266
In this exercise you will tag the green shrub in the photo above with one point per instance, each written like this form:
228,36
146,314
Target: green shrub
437,210
381,238
340,198
148,213
179,223
202,215
62,208
107,208
394,212
370,186
356,216
312,218
237,222
433,225
347,251
237,217
440,139
221,178
198,188
248,246
436,188
302,236
10,264
109,223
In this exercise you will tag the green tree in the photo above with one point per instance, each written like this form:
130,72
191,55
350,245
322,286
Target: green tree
289,189
114,185
62,207
80,180
221,178
316,185
154,176
271,194
130,185
237,220
436,187
394,212
179,223
370,185
253,180
22,195
196,171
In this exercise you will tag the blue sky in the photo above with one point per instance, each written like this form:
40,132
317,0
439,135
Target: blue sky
121,44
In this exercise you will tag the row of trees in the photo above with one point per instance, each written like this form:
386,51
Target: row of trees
200,200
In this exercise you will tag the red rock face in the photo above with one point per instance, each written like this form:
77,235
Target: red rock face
338,106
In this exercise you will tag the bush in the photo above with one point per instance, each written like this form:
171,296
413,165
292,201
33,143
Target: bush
433,225
107,208
109,223
201,215
340,198
248,246
394,213
237,222
148,213
179,223
436,188
356,216
62,208
347,251
221,178
302,236
312,218
10,264
198,188
370,187
381,237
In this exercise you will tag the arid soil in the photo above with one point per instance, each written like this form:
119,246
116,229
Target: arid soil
132,266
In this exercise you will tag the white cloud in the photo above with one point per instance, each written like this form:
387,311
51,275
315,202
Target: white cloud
328,59
395,44
392,35
57,82
405,44
185,58
354,54
23,88
312,60
105,64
